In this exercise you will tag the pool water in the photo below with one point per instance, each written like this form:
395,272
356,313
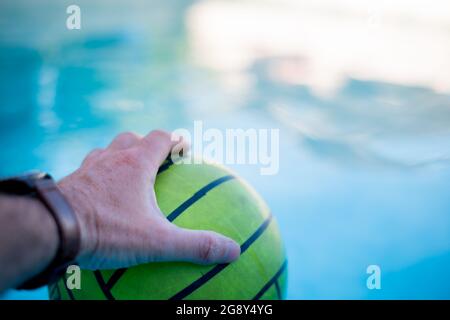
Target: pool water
364,173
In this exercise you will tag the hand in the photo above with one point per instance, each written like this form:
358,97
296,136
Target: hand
121,225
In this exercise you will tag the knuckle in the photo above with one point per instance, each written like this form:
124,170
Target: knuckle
158,135
127,135
208,248
124,140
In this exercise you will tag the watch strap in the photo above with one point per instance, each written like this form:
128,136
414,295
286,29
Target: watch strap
68,228
45,189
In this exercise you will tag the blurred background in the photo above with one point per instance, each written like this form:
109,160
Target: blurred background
359,89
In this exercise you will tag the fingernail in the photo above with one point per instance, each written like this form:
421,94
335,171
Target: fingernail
233,250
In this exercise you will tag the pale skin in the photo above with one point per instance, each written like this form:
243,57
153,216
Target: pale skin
121,224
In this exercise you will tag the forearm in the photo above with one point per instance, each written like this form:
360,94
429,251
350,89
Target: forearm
28,239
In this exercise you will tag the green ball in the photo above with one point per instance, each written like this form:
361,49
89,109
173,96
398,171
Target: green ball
206,197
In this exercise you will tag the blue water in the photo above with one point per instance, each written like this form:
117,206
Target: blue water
374,190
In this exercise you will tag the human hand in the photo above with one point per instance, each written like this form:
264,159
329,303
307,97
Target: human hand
121,225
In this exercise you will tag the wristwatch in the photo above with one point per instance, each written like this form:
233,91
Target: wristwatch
40,186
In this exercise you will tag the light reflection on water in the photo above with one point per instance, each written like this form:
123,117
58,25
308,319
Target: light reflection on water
364,167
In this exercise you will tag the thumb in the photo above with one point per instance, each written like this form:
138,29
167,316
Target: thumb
199,246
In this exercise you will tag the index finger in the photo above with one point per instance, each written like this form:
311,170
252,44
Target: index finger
157,145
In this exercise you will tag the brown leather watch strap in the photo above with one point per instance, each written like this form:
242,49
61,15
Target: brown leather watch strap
64,215
68,230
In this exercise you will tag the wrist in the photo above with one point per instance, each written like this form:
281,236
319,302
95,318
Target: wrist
84,212
40,186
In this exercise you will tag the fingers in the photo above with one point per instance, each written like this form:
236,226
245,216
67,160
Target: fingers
125,140
202,247
157,145
180,149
